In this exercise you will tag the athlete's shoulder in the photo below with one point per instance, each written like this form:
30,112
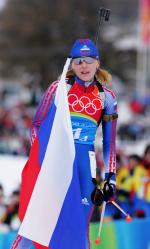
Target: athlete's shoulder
110,100
52,86
56,82
108,92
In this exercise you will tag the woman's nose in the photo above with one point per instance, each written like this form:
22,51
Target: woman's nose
84,64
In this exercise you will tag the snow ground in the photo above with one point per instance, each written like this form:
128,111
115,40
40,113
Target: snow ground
10,172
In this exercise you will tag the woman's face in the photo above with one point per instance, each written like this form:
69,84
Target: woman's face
85,70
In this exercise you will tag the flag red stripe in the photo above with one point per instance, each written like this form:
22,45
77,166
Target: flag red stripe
29,177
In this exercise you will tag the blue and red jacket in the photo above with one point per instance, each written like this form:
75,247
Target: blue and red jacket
86,111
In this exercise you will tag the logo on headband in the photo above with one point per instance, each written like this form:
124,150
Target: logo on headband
85,50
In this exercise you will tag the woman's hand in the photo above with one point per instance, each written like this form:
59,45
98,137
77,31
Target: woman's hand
109,191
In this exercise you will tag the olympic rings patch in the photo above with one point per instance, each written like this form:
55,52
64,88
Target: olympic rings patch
84,103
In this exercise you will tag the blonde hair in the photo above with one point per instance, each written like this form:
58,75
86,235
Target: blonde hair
102,75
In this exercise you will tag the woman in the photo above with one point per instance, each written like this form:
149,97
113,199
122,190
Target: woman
90,102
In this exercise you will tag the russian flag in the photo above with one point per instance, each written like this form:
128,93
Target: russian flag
50,202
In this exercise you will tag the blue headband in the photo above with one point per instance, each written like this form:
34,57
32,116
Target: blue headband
84,47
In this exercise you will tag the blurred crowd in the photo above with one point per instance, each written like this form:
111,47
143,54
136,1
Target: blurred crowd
17,107
136,122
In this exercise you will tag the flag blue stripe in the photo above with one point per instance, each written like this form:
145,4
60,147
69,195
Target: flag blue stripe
45,131
70,231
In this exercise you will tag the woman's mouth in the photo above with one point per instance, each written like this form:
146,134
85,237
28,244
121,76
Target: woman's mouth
85,73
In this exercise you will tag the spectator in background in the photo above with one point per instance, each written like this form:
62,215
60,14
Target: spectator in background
143,191
3,227
129,182
146,158
2,205
11,216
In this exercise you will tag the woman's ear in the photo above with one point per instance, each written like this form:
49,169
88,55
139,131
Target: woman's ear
98,65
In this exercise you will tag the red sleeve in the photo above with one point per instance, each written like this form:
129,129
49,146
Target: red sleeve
42,109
